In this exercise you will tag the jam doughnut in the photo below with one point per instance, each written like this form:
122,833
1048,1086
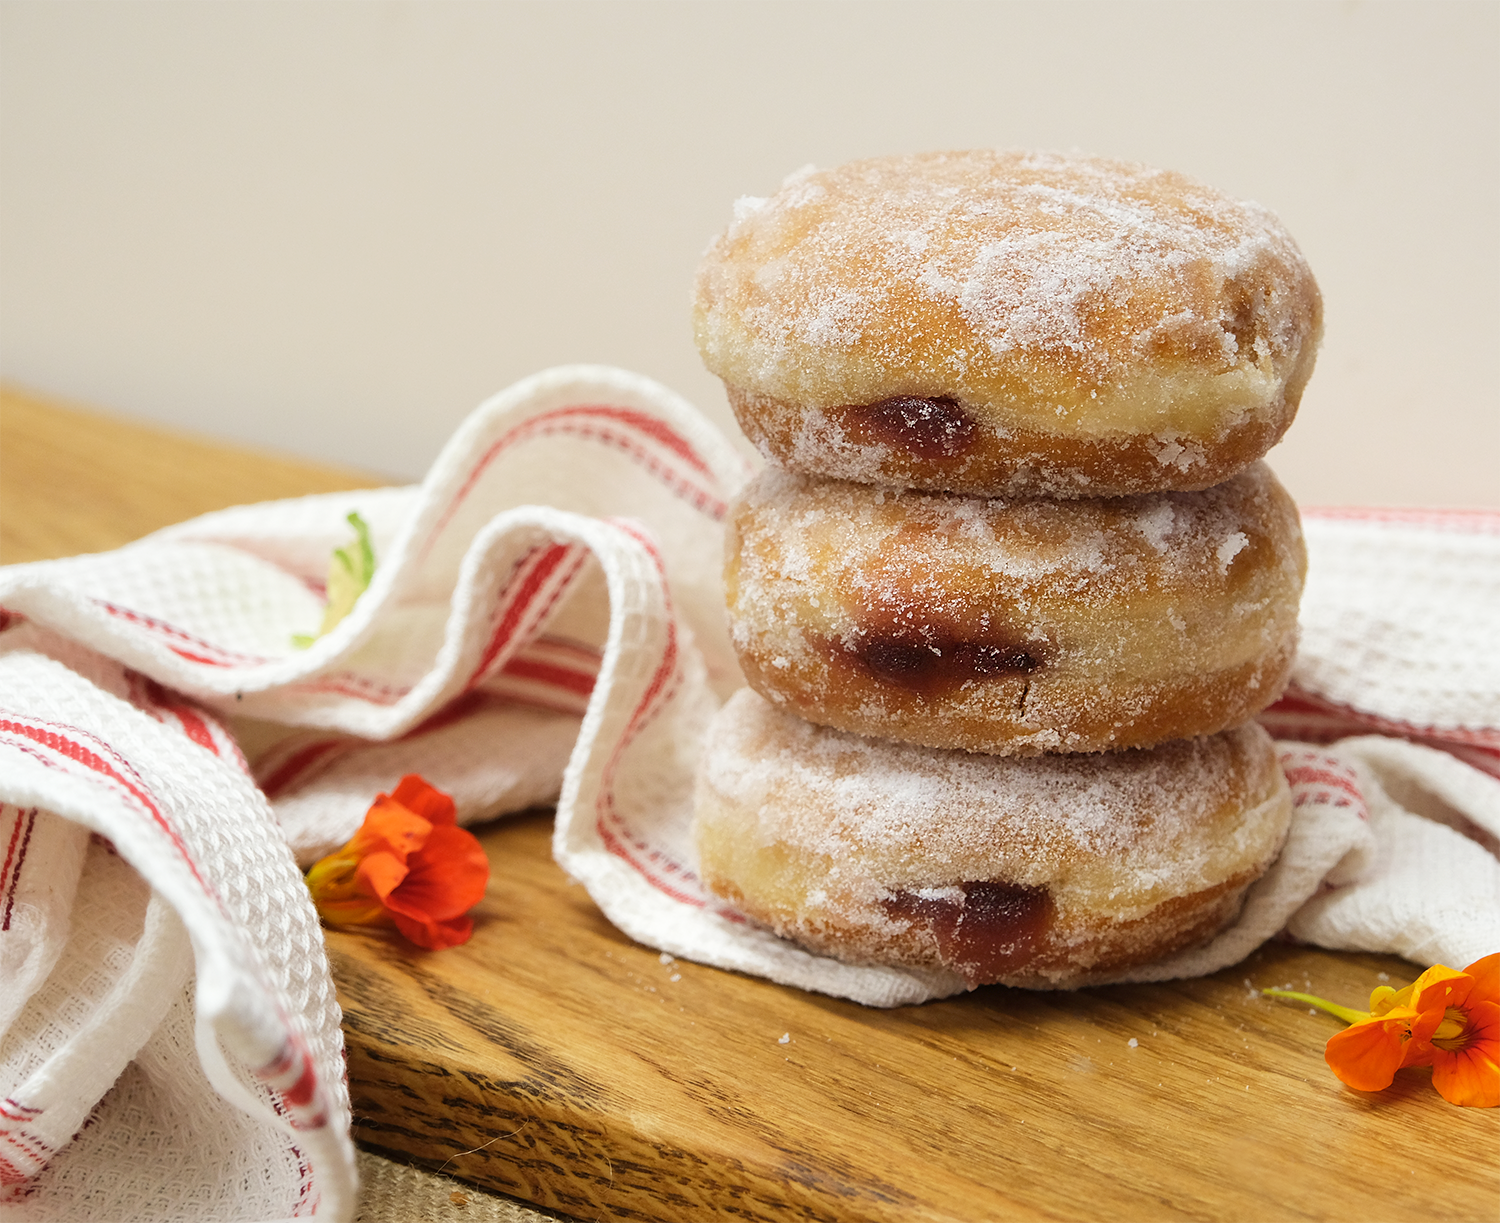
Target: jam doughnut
1043,871
1015,627
1019,324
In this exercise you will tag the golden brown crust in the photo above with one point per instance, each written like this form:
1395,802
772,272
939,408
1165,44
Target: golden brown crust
1015,627
1086,316
1047,872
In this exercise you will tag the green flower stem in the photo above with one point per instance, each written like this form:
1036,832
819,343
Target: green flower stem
1345,1013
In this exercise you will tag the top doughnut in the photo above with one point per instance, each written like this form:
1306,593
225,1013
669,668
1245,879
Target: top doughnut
1013,323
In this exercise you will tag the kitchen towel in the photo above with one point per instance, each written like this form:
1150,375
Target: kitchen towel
545,621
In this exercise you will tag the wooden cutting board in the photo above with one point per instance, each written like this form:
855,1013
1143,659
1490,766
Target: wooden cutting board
554,1060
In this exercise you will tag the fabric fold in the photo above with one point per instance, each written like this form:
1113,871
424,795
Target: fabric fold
192,829
52,1102
546,622
35,906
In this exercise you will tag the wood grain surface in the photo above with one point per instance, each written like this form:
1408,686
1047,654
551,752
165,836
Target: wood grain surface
556,1061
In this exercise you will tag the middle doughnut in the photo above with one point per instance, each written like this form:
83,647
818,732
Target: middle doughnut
1015,627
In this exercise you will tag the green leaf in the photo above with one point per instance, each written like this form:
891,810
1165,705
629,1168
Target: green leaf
349,572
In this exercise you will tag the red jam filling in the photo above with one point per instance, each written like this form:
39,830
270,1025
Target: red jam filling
929,428
941,663
994,931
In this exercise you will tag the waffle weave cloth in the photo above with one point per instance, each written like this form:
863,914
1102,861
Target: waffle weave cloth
546,623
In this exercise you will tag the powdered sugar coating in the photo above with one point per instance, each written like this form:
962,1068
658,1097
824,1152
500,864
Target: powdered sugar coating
1058,297
810,829
1015,626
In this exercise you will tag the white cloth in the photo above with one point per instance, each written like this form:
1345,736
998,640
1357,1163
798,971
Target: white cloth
546,619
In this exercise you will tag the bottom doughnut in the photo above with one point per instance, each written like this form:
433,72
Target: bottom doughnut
1049,872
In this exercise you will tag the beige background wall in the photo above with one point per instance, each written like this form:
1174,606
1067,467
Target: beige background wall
332,228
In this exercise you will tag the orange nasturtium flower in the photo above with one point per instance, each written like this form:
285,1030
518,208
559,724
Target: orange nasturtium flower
409,865
1445,1019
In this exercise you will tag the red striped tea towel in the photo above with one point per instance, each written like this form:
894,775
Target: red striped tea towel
1398,669
170,1044
546,619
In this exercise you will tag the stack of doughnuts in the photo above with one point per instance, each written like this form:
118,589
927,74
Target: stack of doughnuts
1014,582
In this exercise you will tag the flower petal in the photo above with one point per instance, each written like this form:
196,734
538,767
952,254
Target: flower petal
391,825
413,793
1471,1075
1366,1055
435,935
447,878
410,864
1418,1053
1486,974
1439,988
382,873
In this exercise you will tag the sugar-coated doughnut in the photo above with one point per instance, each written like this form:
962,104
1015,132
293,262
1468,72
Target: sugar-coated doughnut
1008,323
1015,627
1043,871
